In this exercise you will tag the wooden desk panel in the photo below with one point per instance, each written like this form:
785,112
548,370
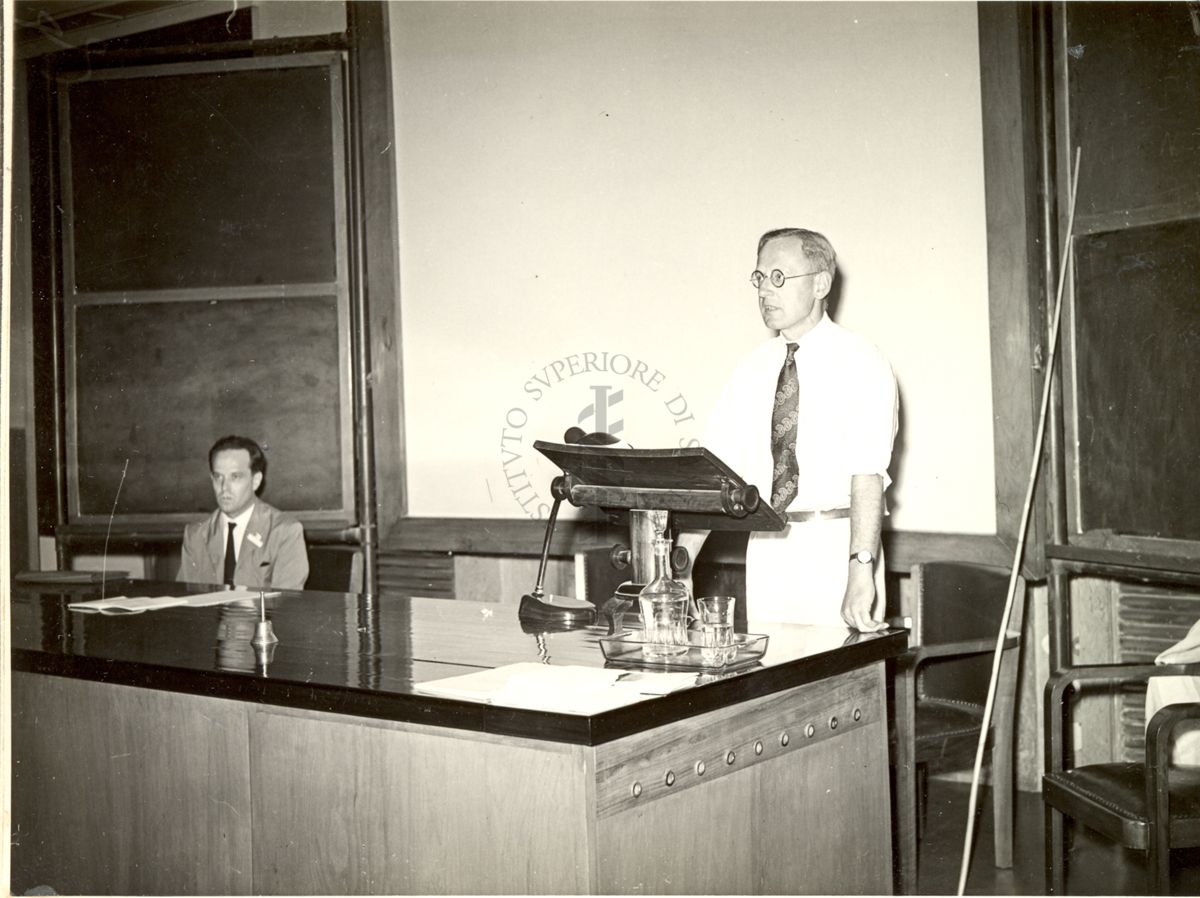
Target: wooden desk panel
126,791
812,817
343,806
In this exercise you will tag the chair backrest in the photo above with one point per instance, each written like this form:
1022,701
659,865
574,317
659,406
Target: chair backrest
335,568
957,601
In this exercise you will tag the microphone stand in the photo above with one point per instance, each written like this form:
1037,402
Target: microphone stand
540,612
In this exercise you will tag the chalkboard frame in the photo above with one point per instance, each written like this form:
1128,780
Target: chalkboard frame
337,289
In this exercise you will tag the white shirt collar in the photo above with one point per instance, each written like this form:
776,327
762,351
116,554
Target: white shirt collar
241,520
817,329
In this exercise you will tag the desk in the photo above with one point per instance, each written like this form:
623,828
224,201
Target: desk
151,754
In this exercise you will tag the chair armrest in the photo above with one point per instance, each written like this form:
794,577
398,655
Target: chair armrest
1059,683
918,655
1158,760
1160,728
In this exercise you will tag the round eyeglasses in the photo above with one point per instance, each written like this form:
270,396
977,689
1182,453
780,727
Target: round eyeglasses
777,277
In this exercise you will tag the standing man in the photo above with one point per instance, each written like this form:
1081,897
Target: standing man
245,541
809,418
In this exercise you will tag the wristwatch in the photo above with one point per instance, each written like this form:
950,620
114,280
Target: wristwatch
863,557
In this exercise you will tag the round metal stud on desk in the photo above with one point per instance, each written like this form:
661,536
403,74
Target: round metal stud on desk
810,731
858,714
833,722
784,739
700,768
637,790
670,778
730,757
758,747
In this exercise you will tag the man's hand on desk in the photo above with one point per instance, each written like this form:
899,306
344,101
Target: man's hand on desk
859,598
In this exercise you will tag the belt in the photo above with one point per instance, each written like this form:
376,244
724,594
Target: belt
829,514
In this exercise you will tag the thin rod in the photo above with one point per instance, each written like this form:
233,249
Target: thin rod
1020,549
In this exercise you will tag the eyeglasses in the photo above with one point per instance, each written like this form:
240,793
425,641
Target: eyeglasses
777,277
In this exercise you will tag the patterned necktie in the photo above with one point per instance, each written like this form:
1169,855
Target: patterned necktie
230,556
783,434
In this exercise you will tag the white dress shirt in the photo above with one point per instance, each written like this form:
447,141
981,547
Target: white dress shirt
848,415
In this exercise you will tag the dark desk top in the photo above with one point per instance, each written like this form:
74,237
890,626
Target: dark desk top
363,656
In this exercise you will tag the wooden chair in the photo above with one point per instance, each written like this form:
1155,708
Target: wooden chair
941,686
335,568
1150,805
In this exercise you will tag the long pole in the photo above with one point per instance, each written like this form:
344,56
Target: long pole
1021,531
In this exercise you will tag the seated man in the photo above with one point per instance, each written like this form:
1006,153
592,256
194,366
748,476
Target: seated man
246,541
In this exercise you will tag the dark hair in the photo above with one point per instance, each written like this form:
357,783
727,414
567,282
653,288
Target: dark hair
258,461
816,247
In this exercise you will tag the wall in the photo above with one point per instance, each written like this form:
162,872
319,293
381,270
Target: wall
581,186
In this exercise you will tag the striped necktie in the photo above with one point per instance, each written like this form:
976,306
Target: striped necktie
783,434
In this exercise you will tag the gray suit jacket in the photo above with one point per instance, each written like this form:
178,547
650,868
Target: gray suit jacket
272,553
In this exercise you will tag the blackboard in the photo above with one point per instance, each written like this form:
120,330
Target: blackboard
1134,72
1137,332
206,288
208,175
157,383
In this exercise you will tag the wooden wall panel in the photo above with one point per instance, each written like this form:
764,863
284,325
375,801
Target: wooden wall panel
492,578
1015,316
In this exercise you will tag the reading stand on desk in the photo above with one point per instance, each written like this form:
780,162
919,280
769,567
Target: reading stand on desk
695,486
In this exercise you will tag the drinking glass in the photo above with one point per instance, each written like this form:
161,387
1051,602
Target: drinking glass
716,629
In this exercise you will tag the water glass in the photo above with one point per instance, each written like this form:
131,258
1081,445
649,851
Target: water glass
716,630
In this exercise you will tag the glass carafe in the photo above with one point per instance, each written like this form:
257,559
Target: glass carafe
664,606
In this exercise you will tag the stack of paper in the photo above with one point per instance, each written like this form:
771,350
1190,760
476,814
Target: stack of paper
126,605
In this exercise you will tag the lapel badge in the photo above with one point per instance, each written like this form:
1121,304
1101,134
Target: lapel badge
255,538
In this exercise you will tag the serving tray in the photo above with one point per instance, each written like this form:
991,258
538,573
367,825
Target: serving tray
626,650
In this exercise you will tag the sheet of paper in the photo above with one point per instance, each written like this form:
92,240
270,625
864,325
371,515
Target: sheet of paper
566,689
127,605
224,596
653,683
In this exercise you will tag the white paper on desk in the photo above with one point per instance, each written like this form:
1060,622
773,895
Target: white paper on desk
224,596
126,605
645,682
567,689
